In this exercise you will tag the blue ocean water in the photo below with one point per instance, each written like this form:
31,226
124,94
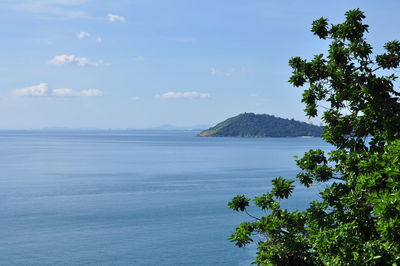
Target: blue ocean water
134,197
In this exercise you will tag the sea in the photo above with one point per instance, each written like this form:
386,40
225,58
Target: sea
135,197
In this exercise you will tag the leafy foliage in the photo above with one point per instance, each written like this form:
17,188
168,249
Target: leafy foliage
253,125
356,221
239,203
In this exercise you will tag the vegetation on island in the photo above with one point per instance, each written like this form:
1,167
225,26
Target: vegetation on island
261,125
356,220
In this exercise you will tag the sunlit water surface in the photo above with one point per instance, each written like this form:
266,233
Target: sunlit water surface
134,197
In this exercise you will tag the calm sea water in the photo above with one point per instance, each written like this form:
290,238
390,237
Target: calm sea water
133,197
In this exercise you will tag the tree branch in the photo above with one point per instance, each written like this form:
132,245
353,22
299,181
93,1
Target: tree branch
251,215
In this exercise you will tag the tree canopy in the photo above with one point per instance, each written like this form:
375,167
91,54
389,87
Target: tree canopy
356,220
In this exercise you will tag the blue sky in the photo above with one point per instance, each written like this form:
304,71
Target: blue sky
144,63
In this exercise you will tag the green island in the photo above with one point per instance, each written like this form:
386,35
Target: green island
252,125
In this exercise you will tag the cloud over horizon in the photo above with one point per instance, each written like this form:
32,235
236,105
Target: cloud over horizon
186,95
37,90
42,90
65,92
74,60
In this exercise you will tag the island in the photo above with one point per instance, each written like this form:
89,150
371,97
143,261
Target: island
250,125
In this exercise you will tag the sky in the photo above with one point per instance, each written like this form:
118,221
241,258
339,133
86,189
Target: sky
145,63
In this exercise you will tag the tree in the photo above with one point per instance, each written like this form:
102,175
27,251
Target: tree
356,220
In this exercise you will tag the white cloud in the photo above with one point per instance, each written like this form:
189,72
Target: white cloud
37,90
83,35
139,58
41,90
136,98
65,92
91,92
217,72
55,8
74,60
186,94
115,18
99,40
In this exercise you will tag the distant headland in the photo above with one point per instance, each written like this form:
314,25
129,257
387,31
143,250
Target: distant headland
250,125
